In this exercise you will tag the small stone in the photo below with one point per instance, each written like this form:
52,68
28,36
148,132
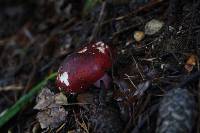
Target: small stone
153,26
139,35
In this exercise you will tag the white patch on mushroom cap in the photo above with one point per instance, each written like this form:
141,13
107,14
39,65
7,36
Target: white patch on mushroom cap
64,78
83,50
100,43
101,47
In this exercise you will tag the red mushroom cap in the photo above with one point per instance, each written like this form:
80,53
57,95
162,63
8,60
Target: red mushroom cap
84,67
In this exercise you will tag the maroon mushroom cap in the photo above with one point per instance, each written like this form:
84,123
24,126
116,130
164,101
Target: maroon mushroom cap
84,67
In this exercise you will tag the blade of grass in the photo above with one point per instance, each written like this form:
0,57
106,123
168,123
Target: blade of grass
13,110
89,4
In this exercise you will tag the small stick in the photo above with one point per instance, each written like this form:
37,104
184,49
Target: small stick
131,81
137,67
147,7
98,24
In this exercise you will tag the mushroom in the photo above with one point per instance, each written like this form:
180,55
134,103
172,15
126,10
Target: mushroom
84,67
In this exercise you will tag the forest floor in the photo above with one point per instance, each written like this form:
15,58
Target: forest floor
157,51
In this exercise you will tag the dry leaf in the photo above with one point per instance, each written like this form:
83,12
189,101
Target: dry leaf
190,63
192,60
61,99
51,112
52,118
45,99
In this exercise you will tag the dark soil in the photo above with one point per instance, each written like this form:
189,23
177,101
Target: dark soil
37,35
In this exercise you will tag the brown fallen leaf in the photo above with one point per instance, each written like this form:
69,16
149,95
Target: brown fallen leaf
45,99
52,118
192,60
51,112
61,99
190,63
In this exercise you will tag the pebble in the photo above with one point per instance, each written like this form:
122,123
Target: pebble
138,35
153,26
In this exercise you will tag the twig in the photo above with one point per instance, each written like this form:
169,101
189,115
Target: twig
98,24
35,64
131,81
140,9
11,87
137,67
7,114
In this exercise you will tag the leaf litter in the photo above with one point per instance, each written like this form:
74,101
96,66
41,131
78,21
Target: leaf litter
142,72
51,112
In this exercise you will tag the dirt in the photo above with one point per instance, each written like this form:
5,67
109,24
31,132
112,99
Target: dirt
36,36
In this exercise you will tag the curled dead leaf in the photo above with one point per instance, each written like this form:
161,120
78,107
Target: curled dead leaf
51,112
191,62
52,118
61,99
45,99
